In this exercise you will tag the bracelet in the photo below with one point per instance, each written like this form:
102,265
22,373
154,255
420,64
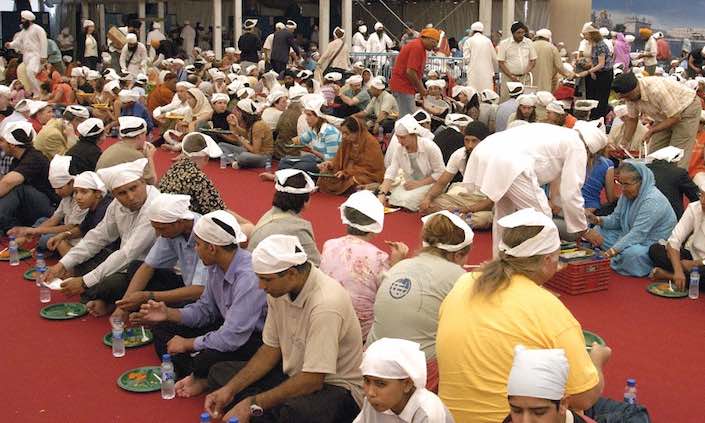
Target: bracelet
151,296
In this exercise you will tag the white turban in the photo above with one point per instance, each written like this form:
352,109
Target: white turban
669,154
59,171
111,85
296,92
527,100
488,96
515,88
248,106
169,208
250,23
378,26
276,94
28,15
281,176
586,105
313,103
355,79
368,204
422,116
36,106
245,92
76,72
89,180
468,91
279,25
92,75
477,27
277,253
629,38
78,111
538,374
544,33
408,125
334,76
544,97
390,358
291,24
230,50
185,85
457,120
362,29
127,96
90,127
19,133
219,228
304,74
436,83
211,149
131,126
220,97
123,173
131,38
555,107
88,23
457,222
377,83
545,242
593,133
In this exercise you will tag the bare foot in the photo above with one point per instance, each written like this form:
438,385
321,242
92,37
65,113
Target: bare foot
658,274
191,387
266,176
97,308
177,158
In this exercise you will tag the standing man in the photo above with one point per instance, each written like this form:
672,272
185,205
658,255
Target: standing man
650,51
481,59
249,44
517,57
379,42
282,43
548,61
133,58
408,70
269,41
31,41
674,108
188,35
359,42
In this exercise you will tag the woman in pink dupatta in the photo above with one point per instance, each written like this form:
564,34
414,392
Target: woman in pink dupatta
621,51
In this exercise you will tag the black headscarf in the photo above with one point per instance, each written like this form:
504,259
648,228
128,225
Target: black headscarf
624,83
518,25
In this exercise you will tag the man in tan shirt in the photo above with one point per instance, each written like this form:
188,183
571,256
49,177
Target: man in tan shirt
548,62
311,331
132,146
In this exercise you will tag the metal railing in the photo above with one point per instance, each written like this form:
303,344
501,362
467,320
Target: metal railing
382,64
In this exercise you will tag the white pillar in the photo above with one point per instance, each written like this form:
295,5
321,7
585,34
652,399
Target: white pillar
237,21
101,22
323,24
507,17
347,20
218,29
142,14
486,15
160,13
84,10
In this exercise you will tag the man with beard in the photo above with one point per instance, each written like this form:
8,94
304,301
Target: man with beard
133,56
379,42
32,43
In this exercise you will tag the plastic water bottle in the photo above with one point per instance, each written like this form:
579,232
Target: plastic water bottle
380,134
205,418
44,291
40,263
168,381
223,161
268,163
598,253
118,337
233,420
630,392
694,287
14,252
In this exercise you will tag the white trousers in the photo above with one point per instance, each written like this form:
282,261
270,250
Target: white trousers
33,65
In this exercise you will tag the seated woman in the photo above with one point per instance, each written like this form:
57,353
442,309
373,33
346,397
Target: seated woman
504,304
642,217
358,162
435,103
354,261
411,292
254,144
200,109
419,158
278,101
107,105
526,109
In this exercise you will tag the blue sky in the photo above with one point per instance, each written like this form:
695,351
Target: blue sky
664,13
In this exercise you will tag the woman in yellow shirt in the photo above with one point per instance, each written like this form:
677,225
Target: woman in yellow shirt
488,313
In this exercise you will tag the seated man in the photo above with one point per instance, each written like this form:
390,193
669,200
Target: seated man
25,192
226,322
130,106
352,97
132,146
673,181
308,367
100,280
58,135
382,109
67,216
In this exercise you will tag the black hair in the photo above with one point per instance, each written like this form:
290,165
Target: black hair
358,218
352,124
93,139
301,268
477,129
249,118
291,202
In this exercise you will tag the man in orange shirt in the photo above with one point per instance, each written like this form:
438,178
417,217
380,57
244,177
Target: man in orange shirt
162,93
696,167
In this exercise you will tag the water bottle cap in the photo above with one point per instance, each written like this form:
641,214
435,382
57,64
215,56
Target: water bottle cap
205,417
233,420
166,357
695,270
12,238
41,269
40,255
631,382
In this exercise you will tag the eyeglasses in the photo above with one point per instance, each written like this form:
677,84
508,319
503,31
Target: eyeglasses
618,182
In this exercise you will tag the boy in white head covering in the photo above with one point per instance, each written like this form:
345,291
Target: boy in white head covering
394,377
87,151
226,322
132,146
100,280
382,109
130,105
363,216
67,215
323,361
509,106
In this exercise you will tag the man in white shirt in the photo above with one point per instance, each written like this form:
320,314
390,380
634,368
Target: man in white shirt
516,57
379,42
359,43
267,45
188,35
133,58
481,59
155,35
32,43
650,52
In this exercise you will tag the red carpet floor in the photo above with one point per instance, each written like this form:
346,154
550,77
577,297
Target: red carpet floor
61,371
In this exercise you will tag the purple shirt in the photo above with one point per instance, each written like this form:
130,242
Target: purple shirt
233,296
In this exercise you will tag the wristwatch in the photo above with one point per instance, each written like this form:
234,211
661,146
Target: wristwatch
255,410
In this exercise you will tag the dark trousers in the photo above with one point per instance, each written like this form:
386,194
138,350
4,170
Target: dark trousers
22,206
599,89
201,363
90,62
113,287
278,67
659,257
306,162
331,404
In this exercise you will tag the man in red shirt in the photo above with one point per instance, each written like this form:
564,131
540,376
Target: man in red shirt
408,70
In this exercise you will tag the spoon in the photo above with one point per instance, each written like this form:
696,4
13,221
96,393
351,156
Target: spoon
144,335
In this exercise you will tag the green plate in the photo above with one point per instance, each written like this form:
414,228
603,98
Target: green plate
29,274
661,289
133,337
591,337
24,254
322,175
63,311
147,382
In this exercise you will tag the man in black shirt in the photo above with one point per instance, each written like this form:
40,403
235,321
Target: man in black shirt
25,192
249,44
86,151
282,42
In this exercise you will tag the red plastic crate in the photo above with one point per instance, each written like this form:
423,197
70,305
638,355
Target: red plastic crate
582,276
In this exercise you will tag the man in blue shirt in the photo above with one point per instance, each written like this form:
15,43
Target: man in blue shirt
131,107
226,323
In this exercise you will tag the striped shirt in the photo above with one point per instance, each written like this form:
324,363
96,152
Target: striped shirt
661,98
325,142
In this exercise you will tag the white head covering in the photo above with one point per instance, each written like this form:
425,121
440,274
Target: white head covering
544,97
88,23
368,204
629,38
304,74
515,88
111,85
89,180
621,110
457,89
77,72
248,106
555,107
377,83
5,90
219,228
604,31
586,105
593,133
78,110
245,92
545,242
123,173
457,120
407,125
355,79
296,92
28,15
59,171
422,116
391,358
36,106
185,85
131,126
168,208
250,23
219,97
459,223
544,33
378,26
478,27
436,83
90,127
22,106
538,374
281,176
277,253
19,133
334,76
279,25
211,149
156,25
488,96
527,100
93,75
291,24
131,38
128,96
313,103
670,154
362,29
276,94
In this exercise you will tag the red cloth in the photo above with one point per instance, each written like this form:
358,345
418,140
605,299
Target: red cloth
663,50
697,163
411,56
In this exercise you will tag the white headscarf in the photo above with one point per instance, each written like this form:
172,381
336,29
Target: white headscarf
538,374
19,133
407,125
458,222
277,253
89,180
281,176
545,242
123,173
391,358
131,126
211,149
669,154
168,208
593,132
59,171
219,228
368,204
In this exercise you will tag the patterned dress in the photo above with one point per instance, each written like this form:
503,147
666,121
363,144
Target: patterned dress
184,177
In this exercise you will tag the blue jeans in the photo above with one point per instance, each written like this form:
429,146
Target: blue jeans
22,206
406,102
306,162
44,239
244,158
